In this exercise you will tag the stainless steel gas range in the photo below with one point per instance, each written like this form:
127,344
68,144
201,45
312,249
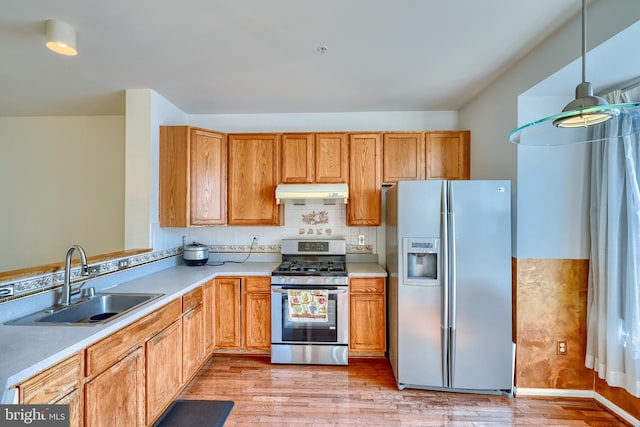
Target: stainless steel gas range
310,303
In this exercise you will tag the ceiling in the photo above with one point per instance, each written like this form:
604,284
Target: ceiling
257,56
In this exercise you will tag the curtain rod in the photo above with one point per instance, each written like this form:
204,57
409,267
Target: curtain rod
628,85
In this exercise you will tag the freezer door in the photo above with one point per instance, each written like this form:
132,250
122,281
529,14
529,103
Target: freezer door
421,348
480,284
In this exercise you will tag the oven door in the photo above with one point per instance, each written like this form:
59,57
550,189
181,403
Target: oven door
309,314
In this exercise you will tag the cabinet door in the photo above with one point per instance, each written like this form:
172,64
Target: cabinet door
164,369
365,186
254,173
192,176
208,160
297,158
448,155
331,157
74,400
227,313
174,176
52,384
403,157
116,397
59,384
208,311
192,340
367,315
257,320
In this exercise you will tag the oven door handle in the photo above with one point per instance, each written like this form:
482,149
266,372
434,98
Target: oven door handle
285,291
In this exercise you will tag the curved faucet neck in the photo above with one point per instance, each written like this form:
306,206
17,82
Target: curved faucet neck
66,287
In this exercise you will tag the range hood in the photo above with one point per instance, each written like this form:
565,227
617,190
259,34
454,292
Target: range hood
297,194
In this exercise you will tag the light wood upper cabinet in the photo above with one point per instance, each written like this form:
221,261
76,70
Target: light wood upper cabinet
254,173
448,154
193,184
365,185
297,158
314,158
425,155
331,157
403,157
367,313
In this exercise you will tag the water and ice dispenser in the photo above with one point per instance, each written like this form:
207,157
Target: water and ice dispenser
421,261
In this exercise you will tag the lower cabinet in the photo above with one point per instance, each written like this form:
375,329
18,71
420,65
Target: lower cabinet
367,316
242,307
60,384
116,397
227,299
117,369
164,369
193,346
257,313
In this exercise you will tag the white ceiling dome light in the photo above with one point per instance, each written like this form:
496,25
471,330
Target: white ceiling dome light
61,38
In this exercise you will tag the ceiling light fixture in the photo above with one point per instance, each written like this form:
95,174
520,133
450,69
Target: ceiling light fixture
61,37
586,111
584,94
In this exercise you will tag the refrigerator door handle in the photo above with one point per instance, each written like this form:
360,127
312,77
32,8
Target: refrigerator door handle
444,252
452,357
453,283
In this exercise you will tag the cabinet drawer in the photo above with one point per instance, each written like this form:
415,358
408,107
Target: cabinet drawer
192,299
258,284
52,384
373,285
104,353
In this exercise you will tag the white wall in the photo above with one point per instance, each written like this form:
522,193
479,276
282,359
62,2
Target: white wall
146,111
62,183
328,122
551,219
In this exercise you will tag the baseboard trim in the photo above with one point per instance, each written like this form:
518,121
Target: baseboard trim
585,394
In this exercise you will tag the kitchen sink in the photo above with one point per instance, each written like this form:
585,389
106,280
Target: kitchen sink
101,308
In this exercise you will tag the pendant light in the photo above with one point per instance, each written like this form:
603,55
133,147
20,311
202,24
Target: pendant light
578,118
584,94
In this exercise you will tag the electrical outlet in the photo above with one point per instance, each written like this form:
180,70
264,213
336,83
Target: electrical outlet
123,263
561,348
361,240
6,291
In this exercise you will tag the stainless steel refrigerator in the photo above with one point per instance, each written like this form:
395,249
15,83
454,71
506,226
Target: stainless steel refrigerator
449,263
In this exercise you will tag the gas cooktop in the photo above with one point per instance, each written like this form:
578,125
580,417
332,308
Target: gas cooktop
312,267
313,257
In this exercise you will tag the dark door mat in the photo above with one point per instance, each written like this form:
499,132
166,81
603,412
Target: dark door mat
195,413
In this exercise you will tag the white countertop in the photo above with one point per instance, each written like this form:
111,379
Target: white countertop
27,350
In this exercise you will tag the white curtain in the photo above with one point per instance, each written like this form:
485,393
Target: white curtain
613,317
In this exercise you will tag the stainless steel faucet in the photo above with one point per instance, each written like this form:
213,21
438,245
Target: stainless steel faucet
66,287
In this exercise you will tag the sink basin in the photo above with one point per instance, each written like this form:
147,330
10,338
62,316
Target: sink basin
98,309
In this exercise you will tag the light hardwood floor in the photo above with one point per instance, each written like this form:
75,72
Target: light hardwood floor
365,394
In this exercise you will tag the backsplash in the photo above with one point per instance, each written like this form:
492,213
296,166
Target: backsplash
313,220
42,282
